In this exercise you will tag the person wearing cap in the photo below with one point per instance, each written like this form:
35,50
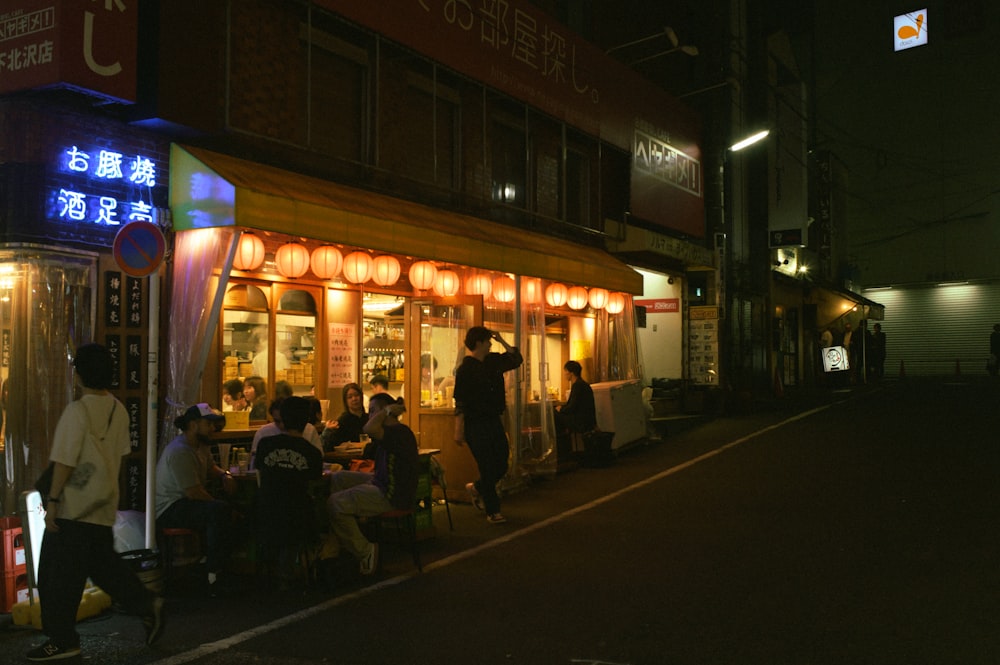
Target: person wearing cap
393,485
182,501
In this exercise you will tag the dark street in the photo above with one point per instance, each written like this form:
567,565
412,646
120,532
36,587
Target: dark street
850,527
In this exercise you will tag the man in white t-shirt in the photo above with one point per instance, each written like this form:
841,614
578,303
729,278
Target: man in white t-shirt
89,442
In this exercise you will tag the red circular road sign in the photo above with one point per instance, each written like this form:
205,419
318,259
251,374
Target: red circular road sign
139,248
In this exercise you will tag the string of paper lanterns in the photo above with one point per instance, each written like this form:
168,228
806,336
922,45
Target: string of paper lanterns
326,262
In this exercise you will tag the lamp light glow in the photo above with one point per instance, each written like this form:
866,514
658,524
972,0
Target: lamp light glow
326,262
616,303
503,289
750,140
555,294
250,253
598,298
358,267
385,270
576,298
422,275
292,260
446,283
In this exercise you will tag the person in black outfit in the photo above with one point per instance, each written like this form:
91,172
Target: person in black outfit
876,352
287,463
578,414
994,362
348,425
480,401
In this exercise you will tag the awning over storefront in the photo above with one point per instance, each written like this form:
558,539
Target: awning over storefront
210,189
834,302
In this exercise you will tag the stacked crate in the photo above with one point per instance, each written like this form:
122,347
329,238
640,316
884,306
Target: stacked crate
13,571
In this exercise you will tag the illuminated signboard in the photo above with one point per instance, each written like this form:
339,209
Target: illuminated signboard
104,187
909,30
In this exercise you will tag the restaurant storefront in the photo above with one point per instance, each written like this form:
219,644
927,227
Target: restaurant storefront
302,280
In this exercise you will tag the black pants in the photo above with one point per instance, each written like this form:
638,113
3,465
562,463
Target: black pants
488,443
69,556
213,519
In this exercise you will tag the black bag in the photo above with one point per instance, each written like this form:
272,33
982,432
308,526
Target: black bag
597,451
44,482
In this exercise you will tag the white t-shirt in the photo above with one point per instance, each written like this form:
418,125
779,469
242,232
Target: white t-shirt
91,493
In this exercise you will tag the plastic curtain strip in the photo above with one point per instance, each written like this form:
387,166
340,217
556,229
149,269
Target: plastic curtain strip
193,290
48,308
616,352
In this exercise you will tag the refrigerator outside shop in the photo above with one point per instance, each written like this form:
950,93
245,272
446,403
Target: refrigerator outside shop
620,410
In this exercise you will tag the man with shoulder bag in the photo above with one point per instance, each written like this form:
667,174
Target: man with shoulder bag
90,440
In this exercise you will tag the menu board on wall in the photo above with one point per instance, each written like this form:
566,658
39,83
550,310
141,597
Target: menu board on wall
343,354
703,345
112,299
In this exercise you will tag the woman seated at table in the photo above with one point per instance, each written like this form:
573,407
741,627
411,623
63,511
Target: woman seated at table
349,424
255,392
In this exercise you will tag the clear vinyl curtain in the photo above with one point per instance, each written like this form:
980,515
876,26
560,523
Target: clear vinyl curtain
616,352
47,307
195,301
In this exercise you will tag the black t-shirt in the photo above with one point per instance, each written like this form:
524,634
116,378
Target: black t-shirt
286,465
397,465
479,387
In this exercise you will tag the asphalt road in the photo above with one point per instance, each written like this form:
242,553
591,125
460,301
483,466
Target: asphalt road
852,527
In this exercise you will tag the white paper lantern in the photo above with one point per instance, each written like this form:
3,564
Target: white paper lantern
358,267
385,270
292,260
249,253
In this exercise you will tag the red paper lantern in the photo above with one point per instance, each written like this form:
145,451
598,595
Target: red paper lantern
616,303
358,267
326,262
385,270
292,260
422,275
249,253
503,289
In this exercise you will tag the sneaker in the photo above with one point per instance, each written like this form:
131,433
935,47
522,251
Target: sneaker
496,518
153,623
370,561
477,500
52,651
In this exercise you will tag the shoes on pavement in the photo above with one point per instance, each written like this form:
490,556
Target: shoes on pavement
496,518
370,560
153,623
477,499
52,651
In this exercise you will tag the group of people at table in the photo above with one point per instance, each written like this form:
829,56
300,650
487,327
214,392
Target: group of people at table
288,455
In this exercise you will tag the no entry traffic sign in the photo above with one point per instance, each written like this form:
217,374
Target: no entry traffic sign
138,248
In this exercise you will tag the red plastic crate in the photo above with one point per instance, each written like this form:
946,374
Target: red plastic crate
12,558
14,589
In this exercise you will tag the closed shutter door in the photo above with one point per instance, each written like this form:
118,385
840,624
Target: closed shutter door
940,330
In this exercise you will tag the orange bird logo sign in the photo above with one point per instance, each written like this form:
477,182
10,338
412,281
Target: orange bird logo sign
910,30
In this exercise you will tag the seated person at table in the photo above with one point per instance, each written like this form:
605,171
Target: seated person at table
348,425
276,426
286,462
182,500
578,414
255,392
232,396
393,485
379,384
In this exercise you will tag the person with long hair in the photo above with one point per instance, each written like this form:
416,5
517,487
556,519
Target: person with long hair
349,424
255,393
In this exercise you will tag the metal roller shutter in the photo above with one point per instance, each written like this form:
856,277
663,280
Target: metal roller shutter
938,330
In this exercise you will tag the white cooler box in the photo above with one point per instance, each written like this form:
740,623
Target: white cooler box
620,410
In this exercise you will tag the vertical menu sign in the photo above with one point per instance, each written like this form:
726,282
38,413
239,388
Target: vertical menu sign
343,352
703,345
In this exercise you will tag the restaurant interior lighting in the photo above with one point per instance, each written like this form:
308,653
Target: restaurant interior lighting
422,275
616,303
531,291
576,298
385,270
598,298
250,253
446,283
503,289
292,260
555,294
326,261
358,267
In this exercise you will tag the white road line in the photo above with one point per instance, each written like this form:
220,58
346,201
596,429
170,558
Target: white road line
233,640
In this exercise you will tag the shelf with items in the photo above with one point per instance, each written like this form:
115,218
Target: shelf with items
384,348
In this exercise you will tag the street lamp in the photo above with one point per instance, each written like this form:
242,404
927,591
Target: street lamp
750,140
669,33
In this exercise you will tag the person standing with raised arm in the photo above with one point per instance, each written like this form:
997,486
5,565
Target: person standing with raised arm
480,402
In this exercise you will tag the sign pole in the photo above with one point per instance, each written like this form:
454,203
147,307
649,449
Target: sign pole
152,420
